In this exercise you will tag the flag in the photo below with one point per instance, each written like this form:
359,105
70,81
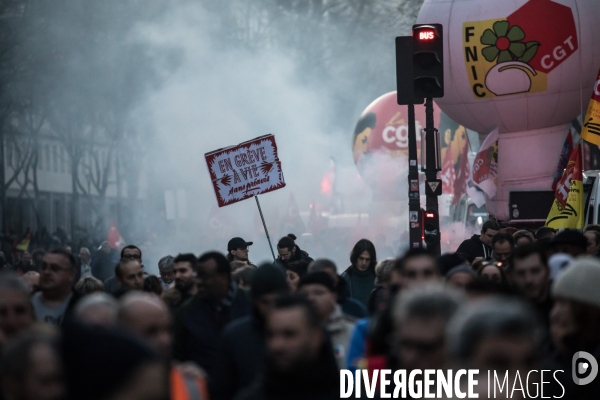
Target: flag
591,124
567,208
485,165
292,222
448,173
114,237
23,245
463,174
565,155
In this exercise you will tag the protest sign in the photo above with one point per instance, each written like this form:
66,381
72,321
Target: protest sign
246,170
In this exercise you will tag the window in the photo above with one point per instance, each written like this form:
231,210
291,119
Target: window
40,155
54,158
47,157
63,160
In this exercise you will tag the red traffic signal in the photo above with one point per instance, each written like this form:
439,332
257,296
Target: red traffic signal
428,61
425,34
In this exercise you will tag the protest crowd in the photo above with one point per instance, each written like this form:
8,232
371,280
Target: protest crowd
79,323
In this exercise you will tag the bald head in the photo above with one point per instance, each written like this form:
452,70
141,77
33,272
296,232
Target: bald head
97,309
148,317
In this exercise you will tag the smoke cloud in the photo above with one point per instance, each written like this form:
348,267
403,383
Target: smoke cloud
220,96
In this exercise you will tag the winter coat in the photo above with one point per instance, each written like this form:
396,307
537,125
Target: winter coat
318,380
349,305
240,357
340,328
198,326
360,283
299,255
473,248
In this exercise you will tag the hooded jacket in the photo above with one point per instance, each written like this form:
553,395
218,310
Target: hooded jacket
473,248
299,255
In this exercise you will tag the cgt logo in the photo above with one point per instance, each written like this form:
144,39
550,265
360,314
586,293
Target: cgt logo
584,363
517,53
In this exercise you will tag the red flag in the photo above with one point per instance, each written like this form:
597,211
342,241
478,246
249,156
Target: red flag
462,175
565,155
448,173
114,236
563,187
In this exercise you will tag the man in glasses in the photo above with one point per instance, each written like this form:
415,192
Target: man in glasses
56,295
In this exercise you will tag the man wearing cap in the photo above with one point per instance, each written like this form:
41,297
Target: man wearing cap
576,293
319,288
237,250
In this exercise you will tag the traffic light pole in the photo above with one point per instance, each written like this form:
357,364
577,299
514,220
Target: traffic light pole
419,76
431,170
414,201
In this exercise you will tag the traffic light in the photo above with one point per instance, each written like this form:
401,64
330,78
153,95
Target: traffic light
431,227
428,61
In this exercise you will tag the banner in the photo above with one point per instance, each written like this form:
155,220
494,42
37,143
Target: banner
246,170
567,208
565,155
448,174
591,122
485,165
464,171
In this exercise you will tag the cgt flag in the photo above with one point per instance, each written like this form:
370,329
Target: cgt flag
591,123
567,208
485,166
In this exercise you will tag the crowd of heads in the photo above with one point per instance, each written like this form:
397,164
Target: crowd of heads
506,300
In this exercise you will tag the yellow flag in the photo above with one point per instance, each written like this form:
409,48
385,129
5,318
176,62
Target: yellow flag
591,124
24,244
567,208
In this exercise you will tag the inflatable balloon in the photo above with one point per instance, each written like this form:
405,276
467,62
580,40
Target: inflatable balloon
380,143
526,67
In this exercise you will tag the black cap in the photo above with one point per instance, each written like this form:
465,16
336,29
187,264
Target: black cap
237,243
570,236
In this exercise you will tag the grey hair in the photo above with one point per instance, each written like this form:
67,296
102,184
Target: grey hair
383,270
10,280
427,301
97,300
166,263
85,250
496,316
